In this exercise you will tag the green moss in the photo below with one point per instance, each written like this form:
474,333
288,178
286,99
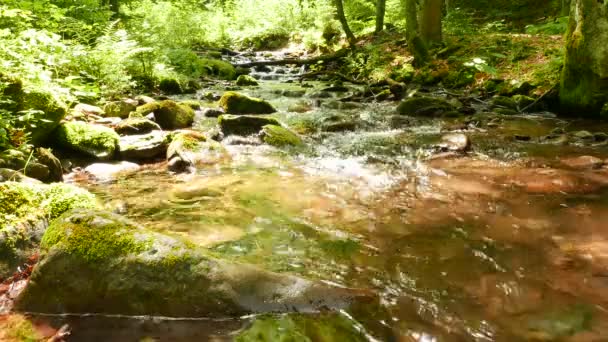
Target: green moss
244,124
246,80
280,136
424,106
170,86
119,109
235,103
168,114
93,238
194,104
17,328
94,140
218,68
53,108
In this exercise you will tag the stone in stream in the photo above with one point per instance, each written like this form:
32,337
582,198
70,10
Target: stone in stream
25,210
235,103
121,108
134,125
106,172
213,112
168,114
246,80
83,109
143,147
456,142
189,149
425,106
279,136
583,162
92,140
244,124
99,262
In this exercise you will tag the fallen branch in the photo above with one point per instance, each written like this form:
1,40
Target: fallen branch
538,99
293,61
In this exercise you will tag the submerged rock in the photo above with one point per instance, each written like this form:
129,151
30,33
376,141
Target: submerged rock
235,103
135,125
246,80
25,210
279,136
244,124
141,147
191,149
168,114
105,172
93,140
98,262
425,106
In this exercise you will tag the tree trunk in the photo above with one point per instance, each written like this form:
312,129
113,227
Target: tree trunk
584,83
565,8
342,18
430,21
380,11
415,43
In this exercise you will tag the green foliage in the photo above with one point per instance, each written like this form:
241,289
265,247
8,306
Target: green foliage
556,26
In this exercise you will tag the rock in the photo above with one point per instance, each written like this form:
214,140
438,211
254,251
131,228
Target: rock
583,162
8,175
83,109
400,121
337,123
246,80
583,135
503,102
600,136
48,159
455,142
92,140
191,149
25,210
168,114
235,103
99,262
142,100
111,121
300,107
120,109
170,86
213,112
106,172
143,147
54,111
136,125
194,104
21,161
279,136
523,101
244,124
424,106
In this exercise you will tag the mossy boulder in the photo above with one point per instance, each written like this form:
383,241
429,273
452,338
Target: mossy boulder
52,107
503,102
120,109
235,103
99,262
143,146
170,86
92,140
168,114
47,158
135,125
246,80
190,149
25,210
279,136
218,68
425,106
194,104
244,124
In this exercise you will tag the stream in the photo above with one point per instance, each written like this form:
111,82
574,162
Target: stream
507,242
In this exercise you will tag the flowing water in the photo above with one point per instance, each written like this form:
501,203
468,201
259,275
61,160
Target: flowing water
503,244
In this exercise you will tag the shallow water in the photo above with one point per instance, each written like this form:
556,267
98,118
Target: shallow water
504,244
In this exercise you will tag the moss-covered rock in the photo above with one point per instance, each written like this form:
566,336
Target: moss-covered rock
522,101
26,163
218,68
168,114
246,80
48,103
98,262
424,106
244,124
279,136
235,103
190,149
93,140
120,109
25,210
170,86
136,125
48,159
194,104
143,146
503,102
300,327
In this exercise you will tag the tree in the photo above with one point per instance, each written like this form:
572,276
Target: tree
431,13
380,12
584,83
412,33
342,18
565,8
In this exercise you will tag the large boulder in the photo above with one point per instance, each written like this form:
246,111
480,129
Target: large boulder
235,103
92,140
244,124
120,109
143,147
25,210
425,106
279,136
45,102
98,262
136,125
168,114
190,149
